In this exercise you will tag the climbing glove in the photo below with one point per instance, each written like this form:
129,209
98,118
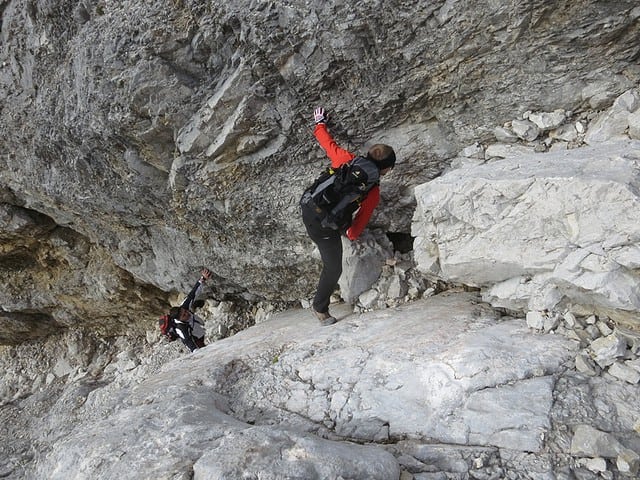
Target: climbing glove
319,115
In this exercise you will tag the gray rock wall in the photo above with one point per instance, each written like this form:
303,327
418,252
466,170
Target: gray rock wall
170,135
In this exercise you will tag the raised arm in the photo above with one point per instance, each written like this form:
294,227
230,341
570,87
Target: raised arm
205,275
336,154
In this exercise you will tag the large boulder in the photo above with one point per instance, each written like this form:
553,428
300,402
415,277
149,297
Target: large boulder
541,231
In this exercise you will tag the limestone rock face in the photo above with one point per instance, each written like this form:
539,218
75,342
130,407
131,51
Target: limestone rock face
53,279
172,135
446,371
541,232
275,453
441,387
140,141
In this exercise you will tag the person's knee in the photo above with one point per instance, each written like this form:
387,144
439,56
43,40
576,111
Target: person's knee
334,272
339,270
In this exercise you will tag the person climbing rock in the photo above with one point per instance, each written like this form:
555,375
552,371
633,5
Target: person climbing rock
340,202
183,323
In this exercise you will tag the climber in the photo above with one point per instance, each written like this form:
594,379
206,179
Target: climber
329,205
183,323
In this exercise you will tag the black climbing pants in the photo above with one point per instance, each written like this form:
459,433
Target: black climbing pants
330,246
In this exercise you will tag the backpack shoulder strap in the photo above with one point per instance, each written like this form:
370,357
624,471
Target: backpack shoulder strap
370,168
323,184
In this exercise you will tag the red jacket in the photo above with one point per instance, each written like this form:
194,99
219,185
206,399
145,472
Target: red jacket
339,156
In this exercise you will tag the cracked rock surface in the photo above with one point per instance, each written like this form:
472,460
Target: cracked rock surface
176,135
437,383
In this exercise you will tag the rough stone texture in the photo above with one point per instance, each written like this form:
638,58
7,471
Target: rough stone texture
439,388
269,453
140,141
53,278
589,441
548,121
443,370
362,264
606,350
624,372
177,134
539,232
615,122
525,129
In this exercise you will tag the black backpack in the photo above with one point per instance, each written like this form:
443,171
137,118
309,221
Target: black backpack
337,193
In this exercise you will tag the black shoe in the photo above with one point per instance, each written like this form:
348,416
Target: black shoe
325,319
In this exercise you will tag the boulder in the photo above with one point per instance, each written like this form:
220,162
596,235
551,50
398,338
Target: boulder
606,350
538,232
614,123
547,120
591,442
624,372
362,262
525,129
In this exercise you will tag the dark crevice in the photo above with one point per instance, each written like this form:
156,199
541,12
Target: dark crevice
402,242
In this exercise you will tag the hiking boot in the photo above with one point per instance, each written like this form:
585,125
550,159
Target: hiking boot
325,319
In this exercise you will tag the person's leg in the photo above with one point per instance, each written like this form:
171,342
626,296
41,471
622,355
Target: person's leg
330,248
329,244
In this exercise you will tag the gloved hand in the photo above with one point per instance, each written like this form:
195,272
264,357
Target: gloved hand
319,115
